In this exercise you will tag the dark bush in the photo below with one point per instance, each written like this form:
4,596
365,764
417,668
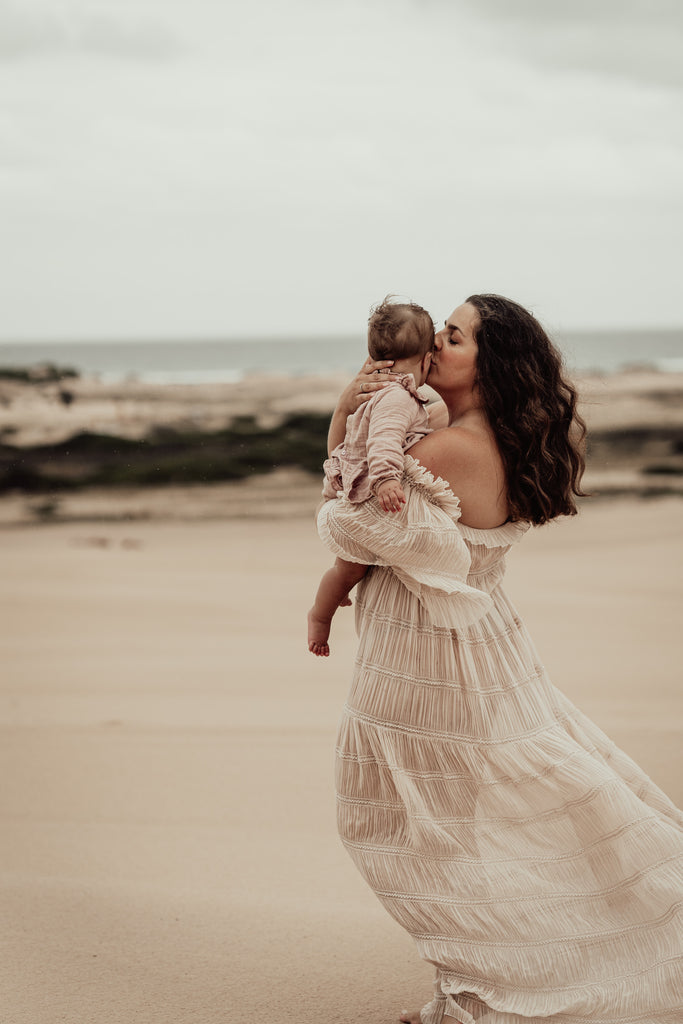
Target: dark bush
168,455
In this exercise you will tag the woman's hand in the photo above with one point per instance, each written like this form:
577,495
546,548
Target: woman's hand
374,375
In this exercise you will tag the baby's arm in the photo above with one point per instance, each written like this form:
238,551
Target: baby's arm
392,414
373,376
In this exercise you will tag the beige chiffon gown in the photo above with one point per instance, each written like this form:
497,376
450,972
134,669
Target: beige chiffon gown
534,863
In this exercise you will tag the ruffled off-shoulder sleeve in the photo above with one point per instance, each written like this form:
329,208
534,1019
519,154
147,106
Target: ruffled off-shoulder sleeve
422,545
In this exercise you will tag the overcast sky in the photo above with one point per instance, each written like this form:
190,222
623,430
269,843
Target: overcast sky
222,168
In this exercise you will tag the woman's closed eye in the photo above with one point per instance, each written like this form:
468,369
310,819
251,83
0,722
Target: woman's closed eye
452,333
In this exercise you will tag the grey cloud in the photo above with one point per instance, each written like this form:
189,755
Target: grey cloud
567,11
640,40
24,33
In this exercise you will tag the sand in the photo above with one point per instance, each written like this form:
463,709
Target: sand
169,851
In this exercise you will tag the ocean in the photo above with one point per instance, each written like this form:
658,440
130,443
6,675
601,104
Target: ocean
206,361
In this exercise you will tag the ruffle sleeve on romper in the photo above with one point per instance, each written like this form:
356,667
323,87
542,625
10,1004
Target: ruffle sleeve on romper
436,573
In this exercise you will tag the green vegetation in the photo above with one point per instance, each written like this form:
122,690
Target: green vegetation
664,469
169,455
166,456
42,373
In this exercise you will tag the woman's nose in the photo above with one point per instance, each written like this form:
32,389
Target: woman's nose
438,341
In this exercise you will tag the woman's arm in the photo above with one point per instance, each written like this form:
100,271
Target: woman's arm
373,376
337,431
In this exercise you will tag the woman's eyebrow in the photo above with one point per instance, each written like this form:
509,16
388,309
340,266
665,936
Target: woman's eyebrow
451,327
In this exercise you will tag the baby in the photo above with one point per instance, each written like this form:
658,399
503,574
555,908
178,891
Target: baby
369,463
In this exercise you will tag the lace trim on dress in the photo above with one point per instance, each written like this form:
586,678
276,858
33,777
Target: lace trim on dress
439,492
498,536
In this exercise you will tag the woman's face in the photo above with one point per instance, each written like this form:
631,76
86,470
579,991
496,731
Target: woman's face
454,362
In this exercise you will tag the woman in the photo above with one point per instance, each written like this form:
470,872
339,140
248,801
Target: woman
534,864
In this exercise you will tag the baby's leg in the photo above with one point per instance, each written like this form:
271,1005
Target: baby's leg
333,591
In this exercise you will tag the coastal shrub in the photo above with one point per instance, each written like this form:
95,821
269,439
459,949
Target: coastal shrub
663,469
21,476
18,477
168,455
41,373
87,443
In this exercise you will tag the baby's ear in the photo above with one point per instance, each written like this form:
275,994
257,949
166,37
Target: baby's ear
426,360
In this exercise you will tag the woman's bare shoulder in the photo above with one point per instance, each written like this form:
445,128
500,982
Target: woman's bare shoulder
469,461
438,414
438,449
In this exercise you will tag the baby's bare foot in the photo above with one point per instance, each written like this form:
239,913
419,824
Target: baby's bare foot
318,634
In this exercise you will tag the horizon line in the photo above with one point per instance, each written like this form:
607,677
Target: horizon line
307,336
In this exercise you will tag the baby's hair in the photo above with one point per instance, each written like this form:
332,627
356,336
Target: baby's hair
399,330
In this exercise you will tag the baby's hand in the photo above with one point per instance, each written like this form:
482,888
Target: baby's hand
391,495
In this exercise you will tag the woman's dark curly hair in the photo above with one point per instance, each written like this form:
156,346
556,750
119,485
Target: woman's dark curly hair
531,408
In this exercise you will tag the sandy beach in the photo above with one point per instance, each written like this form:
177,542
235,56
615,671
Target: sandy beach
169,843
169,849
